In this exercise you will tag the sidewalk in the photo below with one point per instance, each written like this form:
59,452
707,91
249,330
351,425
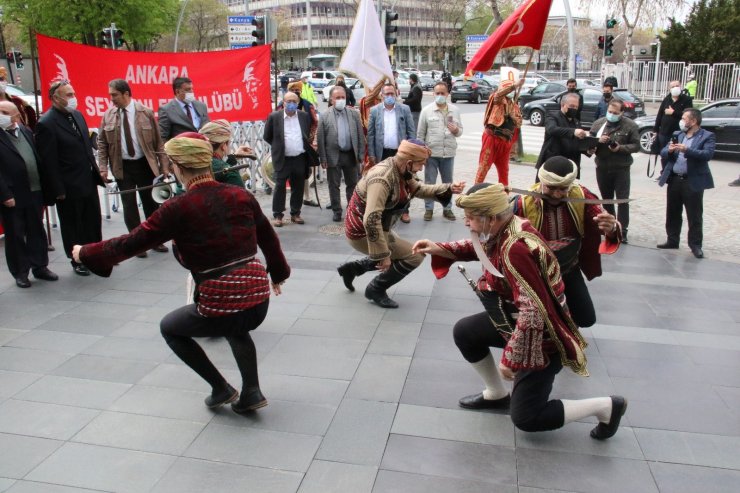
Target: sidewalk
361,399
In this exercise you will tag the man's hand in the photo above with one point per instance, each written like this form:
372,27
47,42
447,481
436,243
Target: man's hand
506,372
9,203
606,223
104,176
615,148
384,264
76,253
245,151
580,133
458,187
427,247
603,139
680,147
669,111
276,288
673,147
323,165
452,127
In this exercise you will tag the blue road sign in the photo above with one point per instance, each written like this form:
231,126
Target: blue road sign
475,38
240,19
237,46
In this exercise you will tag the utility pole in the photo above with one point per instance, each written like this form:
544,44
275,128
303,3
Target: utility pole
657,65
113,36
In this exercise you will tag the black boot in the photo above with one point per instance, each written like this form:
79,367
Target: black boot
376,290
350,270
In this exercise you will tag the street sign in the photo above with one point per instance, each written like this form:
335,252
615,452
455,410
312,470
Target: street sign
240,31
240,19
579,58
240,38
473,42
240,28
237,46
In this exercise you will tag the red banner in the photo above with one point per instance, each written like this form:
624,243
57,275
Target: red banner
234,84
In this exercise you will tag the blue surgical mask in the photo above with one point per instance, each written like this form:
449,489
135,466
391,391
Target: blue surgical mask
440,100
612,118
291,107
389,100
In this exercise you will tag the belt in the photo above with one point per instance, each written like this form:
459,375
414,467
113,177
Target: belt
133,160
219,271
297,155
680,176
390,149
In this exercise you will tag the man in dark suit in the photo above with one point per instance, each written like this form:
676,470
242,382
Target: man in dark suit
63,142
183,113
670,113
341,147
21,200
287,133
562,133
688,175
413,101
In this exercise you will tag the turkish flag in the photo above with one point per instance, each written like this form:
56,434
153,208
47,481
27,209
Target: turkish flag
524,27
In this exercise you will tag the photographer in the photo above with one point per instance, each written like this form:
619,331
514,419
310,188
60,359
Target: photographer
618,140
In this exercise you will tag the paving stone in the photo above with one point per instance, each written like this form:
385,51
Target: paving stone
34,487
690,448
134,349
20,454
30,360
572,437
60,342
402,482
83,324
73,392
336,477
333,328
303,389
138,330
12,382
287,416
6,483
106,369
321,357
102,468
7,335
379,378
395,338
165,403
43,420
679,478
180,376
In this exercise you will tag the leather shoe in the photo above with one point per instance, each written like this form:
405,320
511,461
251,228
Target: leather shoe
379,297
45,274
297,219
405,218
337,217
161,249
50,248
477,401
697,251
142,255
667,246
81,270
278,222
311,203
250,401
602,431
22,282
216,399
449,215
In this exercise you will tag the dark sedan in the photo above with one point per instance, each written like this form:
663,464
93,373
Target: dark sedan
721,117
472,91
535,111
542,91
427,83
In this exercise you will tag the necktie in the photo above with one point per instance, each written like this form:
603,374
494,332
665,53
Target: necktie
190,115
74,125
127,134
12,133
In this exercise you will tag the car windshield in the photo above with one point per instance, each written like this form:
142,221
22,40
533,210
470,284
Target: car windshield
625,96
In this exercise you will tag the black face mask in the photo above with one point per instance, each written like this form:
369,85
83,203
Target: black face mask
571,112
607,96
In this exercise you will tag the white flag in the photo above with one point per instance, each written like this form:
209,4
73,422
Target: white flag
366,55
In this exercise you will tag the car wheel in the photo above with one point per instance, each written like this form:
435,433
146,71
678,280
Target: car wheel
453,100
646,140
477,98
537,118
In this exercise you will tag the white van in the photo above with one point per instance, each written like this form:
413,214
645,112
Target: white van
319,78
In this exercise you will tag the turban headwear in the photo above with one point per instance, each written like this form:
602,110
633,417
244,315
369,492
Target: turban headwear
3,72
558,171
295,86
217,131
414,150
485,200
190,150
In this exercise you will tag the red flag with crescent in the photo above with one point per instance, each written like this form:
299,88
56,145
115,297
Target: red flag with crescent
524,27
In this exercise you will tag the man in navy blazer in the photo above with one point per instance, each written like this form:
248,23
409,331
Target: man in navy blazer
688,175
390,123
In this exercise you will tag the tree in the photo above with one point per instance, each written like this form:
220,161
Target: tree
708,35
207,24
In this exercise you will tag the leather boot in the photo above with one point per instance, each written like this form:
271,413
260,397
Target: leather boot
353,269
376,290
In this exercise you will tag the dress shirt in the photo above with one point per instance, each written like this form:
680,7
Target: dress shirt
131,115
681,166
345,142
293,135
196,118
390,128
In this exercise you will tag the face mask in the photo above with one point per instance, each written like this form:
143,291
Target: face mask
571,112
675,91
340,104
291,107
612,118
607,96
72,104
389,100
189,97
5,122
3,85
683,126
440,100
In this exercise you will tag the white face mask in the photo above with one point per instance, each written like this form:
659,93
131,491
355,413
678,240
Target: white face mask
675,91
189,97
683,126
3,85
72,104
440,100
5,122
340,104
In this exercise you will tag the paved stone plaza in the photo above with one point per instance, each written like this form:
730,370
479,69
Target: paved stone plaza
364,399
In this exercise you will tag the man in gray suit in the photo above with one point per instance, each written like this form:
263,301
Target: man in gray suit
390,123
341,146
183,113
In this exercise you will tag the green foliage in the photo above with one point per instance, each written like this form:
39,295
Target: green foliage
708,36
142,21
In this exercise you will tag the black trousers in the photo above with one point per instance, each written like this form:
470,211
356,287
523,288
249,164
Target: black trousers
615,183
662,142
79,221
347,166
578,298
25,238
531,409
680,196
180,326
136,174
294,169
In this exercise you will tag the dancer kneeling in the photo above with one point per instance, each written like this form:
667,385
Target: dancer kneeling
216,229
520,275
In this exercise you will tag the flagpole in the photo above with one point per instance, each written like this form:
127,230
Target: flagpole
526,69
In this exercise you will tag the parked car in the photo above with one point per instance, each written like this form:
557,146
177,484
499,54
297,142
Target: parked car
472,91
427,83
319,78
28,97
354,85
542,91
535,111
533,80
721,117
404,85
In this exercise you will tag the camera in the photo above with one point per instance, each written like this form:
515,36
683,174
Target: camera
613,145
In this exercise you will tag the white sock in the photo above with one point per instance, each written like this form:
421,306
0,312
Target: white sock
601,407
488,371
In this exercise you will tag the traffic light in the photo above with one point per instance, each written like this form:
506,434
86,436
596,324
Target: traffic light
601,42
107,38
609,46
10,56
18,57
259,32
611,23
118,38
390,29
